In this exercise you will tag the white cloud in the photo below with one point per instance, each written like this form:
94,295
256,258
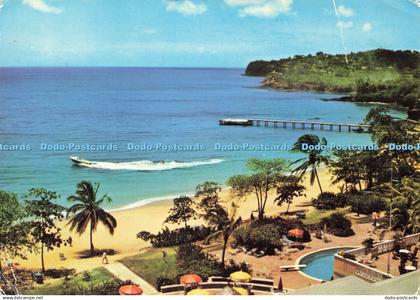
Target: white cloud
40,5
367,27
186,7
261,8
345,11
345,24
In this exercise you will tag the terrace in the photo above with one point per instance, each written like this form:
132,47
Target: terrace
376,263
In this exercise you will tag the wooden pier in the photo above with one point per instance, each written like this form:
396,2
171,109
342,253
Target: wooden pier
313,125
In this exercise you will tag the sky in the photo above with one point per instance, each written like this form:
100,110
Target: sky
197,33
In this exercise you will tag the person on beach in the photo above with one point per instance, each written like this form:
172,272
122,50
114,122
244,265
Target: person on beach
104,258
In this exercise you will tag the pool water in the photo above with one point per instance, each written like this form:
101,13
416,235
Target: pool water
320,264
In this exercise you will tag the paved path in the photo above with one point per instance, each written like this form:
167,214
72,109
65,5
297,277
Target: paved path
123,273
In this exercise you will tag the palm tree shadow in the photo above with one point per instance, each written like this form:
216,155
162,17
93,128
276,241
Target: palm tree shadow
97,252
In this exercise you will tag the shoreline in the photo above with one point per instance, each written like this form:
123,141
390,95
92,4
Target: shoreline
346,97
150,217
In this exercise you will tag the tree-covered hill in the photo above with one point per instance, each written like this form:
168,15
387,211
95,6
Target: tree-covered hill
377,75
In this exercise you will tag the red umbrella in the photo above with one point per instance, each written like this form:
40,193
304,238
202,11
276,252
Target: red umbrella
280,285
190,279
296,232
130,289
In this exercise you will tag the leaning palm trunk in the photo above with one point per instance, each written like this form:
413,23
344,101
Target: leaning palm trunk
225,241
317,179
92,248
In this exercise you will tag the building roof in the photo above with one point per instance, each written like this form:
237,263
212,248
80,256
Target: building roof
407,284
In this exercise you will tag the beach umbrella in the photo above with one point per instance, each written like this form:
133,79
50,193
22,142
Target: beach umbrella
280,285
198,292
241,291
240,276
296,232
190,279
130,289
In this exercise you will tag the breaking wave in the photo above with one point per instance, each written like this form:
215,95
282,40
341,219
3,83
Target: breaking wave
148,165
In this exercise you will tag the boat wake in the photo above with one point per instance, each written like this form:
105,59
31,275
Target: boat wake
147,165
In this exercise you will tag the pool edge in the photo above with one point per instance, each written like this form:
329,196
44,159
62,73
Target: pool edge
297,262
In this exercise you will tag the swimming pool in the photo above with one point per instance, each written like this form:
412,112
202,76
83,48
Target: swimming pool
320,264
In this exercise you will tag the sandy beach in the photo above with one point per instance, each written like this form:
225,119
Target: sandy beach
150,217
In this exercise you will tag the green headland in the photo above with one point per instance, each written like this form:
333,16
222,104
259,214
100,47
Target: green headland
385,76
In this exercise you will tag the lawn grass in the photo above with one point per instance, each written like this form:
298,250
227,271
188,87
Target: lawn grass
149,264
85,279
315,216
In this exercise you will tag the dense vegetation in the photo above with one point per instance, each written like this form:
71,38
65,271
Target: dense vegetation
266,235
328,200
167,238
95,282
337,224
378,75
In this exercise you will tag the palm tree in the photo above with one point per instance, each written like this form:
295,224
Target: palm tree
88,210
314,157
227,225
405,201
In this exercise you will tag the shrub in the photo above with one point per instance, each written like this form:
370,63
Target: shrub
232,267
167,238
266,234
366,204
265,237
86,276
349,256
103,288
338,224
368,243
191,259
327,200
162,281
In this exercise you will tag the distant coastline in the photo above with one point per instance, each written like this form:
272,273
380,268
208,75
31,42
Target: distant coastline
377,76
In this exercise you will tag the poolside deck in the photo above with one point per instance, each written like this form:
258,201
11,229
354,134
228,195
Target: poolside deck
295,279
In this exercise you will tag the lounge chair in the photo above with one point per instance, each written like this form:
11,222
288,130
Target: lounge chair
291,267
259,254
286,240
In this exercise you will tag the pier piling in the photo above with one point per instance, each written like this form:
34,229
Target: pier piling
314,125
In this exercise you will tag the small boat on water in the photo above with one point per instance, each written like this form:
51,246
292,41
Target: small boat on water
77,160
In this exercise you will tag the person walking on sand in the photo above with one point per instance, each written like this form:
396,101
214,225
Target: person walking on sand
104,258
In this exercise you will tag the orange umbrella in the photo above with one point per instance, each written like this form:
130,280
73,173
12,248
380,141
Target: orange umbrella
130,289
190,279
296,232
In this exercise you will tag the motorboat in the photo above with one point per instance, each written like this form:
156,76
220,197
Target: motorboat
77,160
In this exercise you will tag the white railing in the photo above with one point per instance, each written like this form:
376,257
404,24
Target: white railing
348,266
360,270
386,246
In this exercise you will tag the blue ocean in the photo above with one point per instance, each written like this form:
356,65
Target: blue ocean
153,133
